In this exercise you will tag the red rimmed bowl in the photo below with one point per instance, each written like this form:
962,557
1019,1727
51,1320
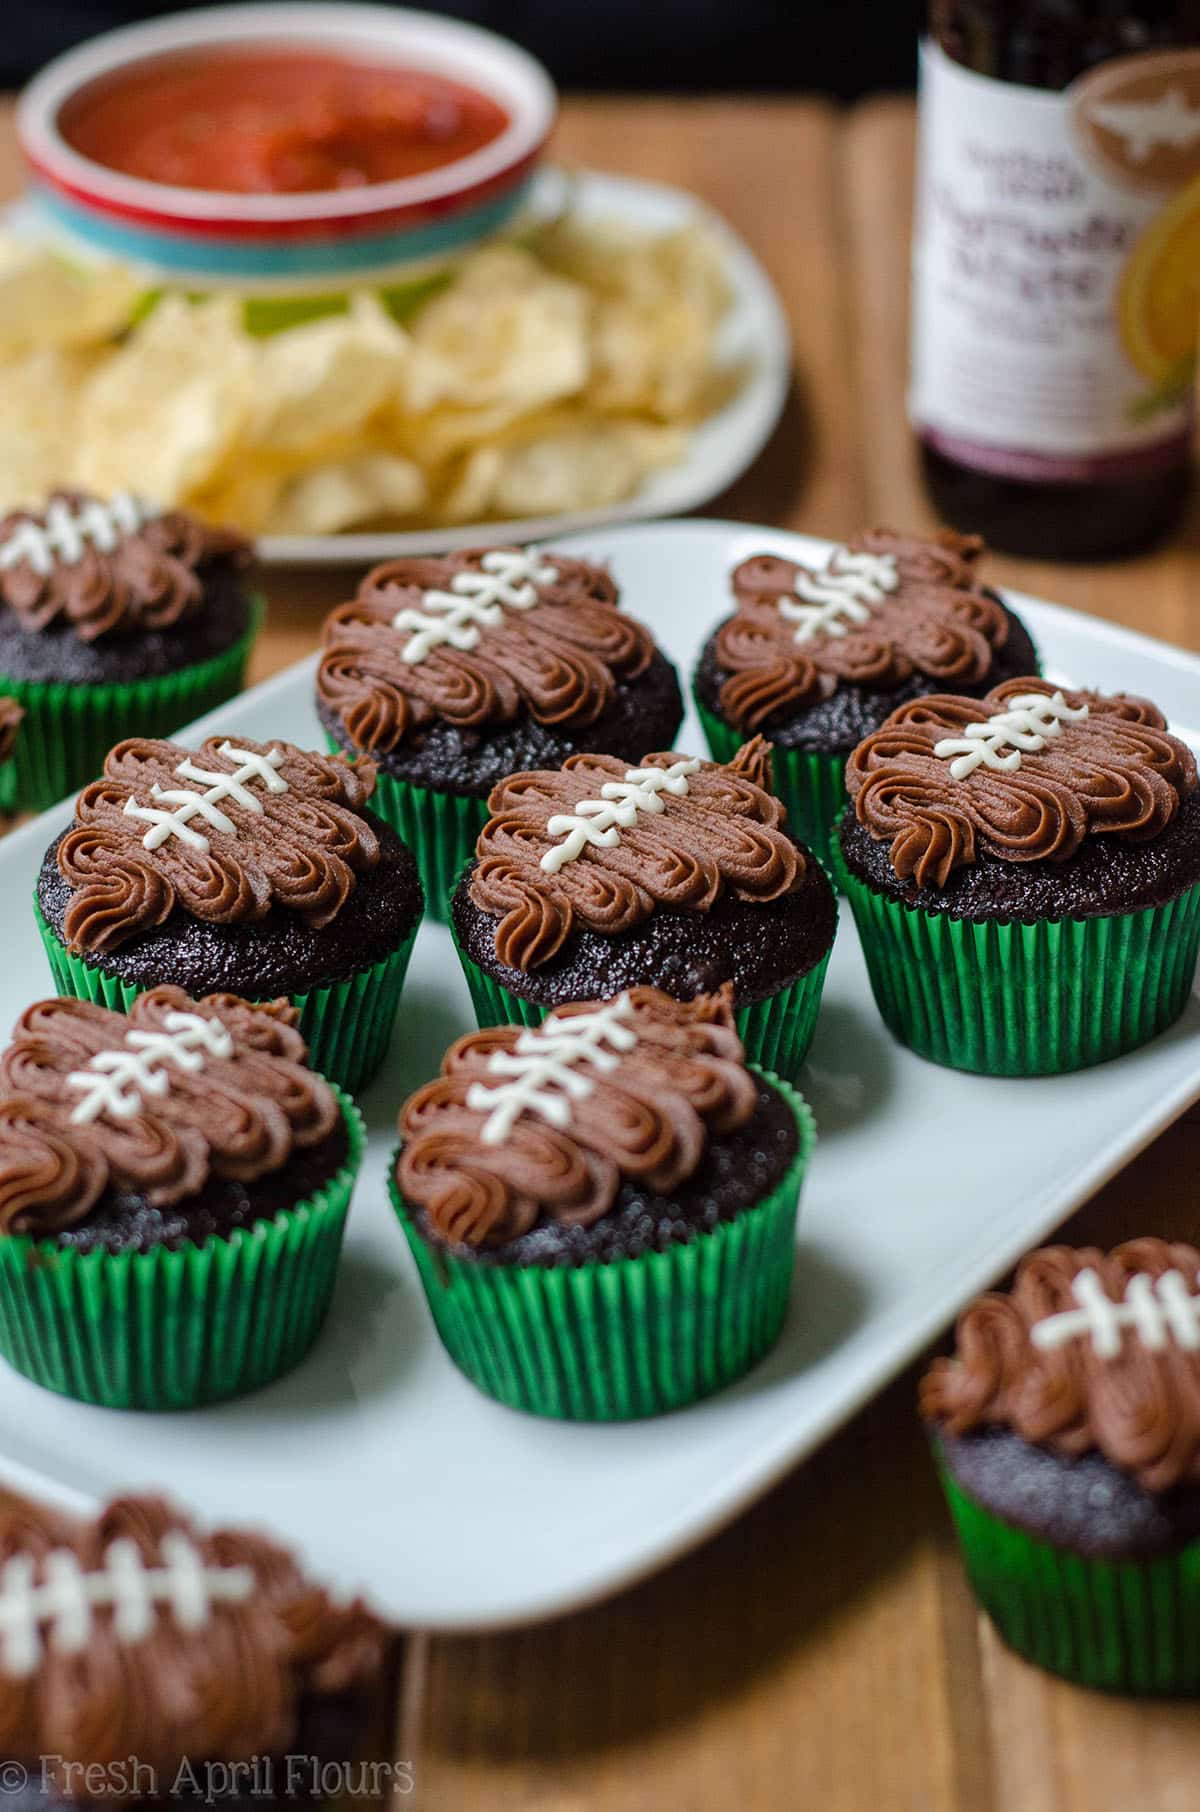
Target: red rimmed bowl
371,232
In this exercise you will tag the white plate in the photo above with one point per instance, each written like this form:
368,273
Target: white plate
390,1472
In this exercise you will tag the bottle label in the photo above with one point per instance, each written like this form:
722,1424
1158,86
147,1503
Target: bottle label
1056,268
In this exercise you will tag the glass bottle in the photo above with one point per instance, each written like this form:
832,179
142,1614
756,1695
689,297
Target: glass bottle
1056,269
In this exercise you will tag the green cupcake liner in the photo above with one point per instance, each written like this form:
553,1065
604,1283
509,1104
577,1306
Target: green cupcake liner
440,829
775,1033
1128,1625
811,787
8,787
1009,999
607,1342
69,728
170,1330
347,1025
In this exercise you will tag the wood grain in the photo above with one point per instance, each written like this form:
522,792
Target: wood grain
824,1651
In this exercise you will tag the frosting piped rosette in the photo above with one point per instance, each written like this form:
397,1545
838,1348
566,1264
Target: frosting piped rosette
526,1124
452,672
174,1185
881,609
155,1103
602,1207
816,654
109,567
138,1634
1024,871
476,639
1024,774
244,867
603,845
675,873
224,834
1066,1427
1089,1351
117,617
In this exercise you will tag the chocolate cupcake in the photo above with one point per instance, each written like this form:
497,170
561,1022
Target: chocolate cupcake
145,1662
173,1191
1024,871
1066,1428
257,870
603,1209
815,660
116,618
677,874
451,673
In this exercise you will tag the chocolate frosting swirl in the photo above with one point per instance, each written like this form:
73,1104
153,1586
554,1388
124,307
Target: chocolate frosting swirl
560,660
239,1115
228,1689
723,834
301,849
644,1118
1138,1405
938,622
1116,773
152,578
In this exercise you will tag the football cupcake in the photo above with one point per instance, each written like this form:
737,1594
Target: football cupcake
1024,870
173,1191
116,619
451,673
145,1662
676,874
1066,1429
256,869
603,1209
815,659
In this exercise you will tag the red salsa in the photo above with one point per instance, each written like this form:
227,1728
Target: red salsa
282,122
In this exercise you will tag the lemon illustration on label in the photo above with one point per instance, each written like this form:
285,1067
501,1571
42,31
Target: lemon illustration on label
1158,300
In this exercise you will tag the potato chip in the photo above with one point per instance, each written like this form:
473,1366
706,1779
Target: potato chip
322,382
165,411
506,337
347,493
539,378
589,466
37,424
46,300
659,301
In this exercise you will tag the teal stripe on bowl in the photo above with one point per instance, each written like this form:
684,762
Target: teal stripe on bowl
329,257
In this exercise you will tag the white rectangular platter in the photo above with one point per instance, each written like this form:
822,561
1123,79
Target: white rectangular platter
391,1473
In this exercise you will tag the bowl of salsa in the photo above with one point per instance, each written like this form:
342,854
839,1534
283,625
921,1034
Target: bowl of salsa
275,142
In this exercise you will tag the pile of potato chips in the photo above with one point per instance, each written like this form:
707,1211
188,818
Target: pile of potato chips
542,376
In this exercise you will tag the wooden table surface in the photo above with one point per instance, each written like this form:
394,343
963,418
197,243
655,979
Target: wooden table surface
824,1651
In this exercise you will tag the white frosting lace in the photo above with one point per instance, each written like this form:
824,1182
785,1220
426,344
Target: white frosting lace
1030,722
601,821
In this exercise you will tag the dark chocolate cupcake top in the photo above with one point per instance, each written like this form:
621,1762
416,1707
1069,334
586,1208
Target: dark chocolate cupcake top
155,1103
1028,773
114,568
139,1635
548,1124
600,845
883,608
1088,1351
226,833
476,639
